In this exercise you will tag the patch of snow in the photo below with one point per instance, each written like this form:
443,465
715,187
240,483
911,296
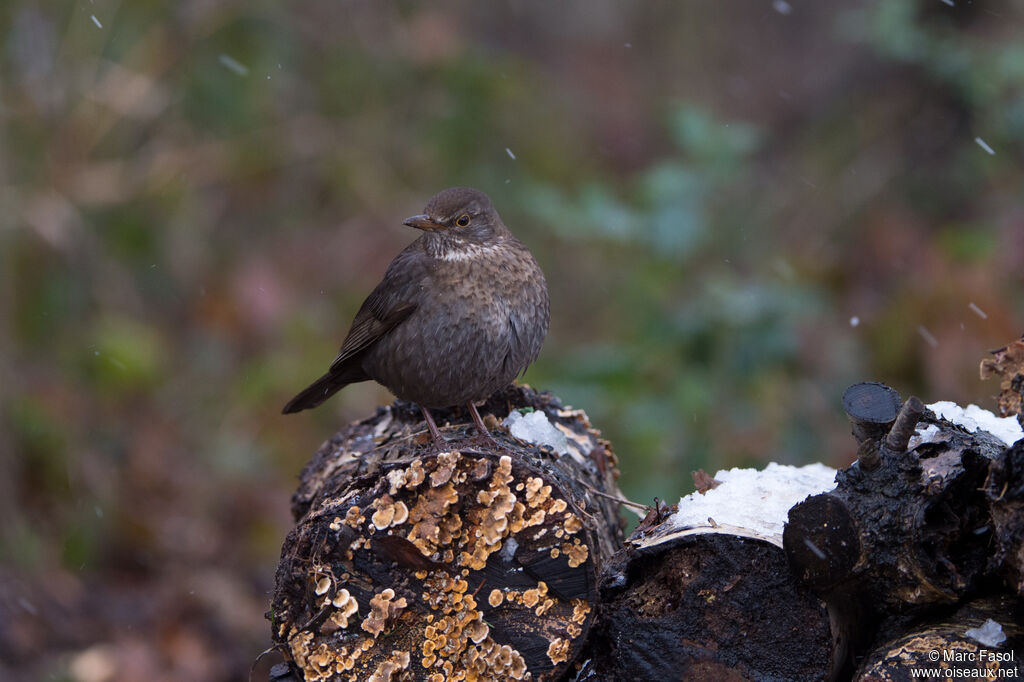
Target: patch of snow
232,64
508,550
972,418
535,428
753,499
928,337
990,633
782,7
926,434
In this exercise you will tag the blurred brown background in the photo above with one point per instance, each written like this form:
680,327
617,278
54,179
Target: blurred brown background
741,209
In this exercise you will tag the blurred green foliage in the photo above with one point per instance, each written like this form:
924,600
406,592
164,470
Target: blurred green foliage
739,211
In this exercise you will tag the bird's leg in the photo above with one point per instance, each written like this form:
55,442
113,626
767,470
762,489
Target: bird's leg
431,425
484,433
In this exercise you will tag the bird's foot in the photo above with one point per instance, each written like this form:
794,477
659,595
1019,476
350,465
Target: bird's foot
483,434
435,434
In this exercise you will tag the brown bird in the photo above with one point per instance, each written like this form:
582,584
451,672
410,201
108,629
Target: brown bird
460,313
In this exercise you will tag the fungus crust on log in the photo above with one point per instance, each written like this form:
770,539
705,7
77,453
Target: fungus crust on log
964,651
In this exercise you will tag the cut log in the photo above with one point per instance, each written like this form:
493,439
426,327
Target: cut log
467,562
980,641
915,530
711,605
711,602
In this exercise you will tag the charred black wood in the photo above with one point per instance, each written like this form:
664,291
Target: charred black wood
872,408
911,532
708,605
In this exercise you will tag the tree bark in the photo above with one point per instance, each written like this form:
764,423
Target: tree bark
1004,491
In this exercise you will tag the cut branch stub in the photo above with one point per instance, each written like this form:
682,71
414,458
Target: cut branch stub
872,408
410,563
903,428
827,548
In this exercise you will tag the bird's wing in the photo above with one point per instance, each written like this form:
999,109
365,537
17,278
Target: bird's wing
370,324
386,307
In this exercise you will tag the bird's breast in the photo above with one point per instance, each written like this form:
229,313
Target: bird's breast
485,284
480,319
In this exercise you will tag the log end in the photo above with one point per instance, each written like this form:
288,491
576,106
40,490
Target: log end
821,541
710,606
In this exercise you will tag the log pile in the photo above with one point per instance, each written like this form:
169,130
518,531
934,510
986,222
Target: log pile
919,528
1004,487
1004,492
504,559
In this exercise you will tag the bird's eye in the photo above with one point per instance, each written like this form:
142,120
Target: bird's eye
463,220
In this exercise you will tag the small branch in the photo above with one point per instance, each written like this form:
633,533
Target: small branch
620,500
906,422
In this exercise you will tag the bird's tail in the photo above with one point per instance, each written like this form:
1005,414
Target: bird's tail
319,391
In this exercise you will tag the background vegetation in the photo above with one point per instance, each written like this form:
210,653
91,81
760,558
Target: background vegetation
741,209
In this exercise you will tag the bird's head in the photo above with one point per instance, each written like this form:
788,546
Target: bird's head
460,214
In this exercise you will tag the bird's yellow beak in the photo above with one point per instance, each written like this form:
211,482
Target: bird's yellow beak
423,222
